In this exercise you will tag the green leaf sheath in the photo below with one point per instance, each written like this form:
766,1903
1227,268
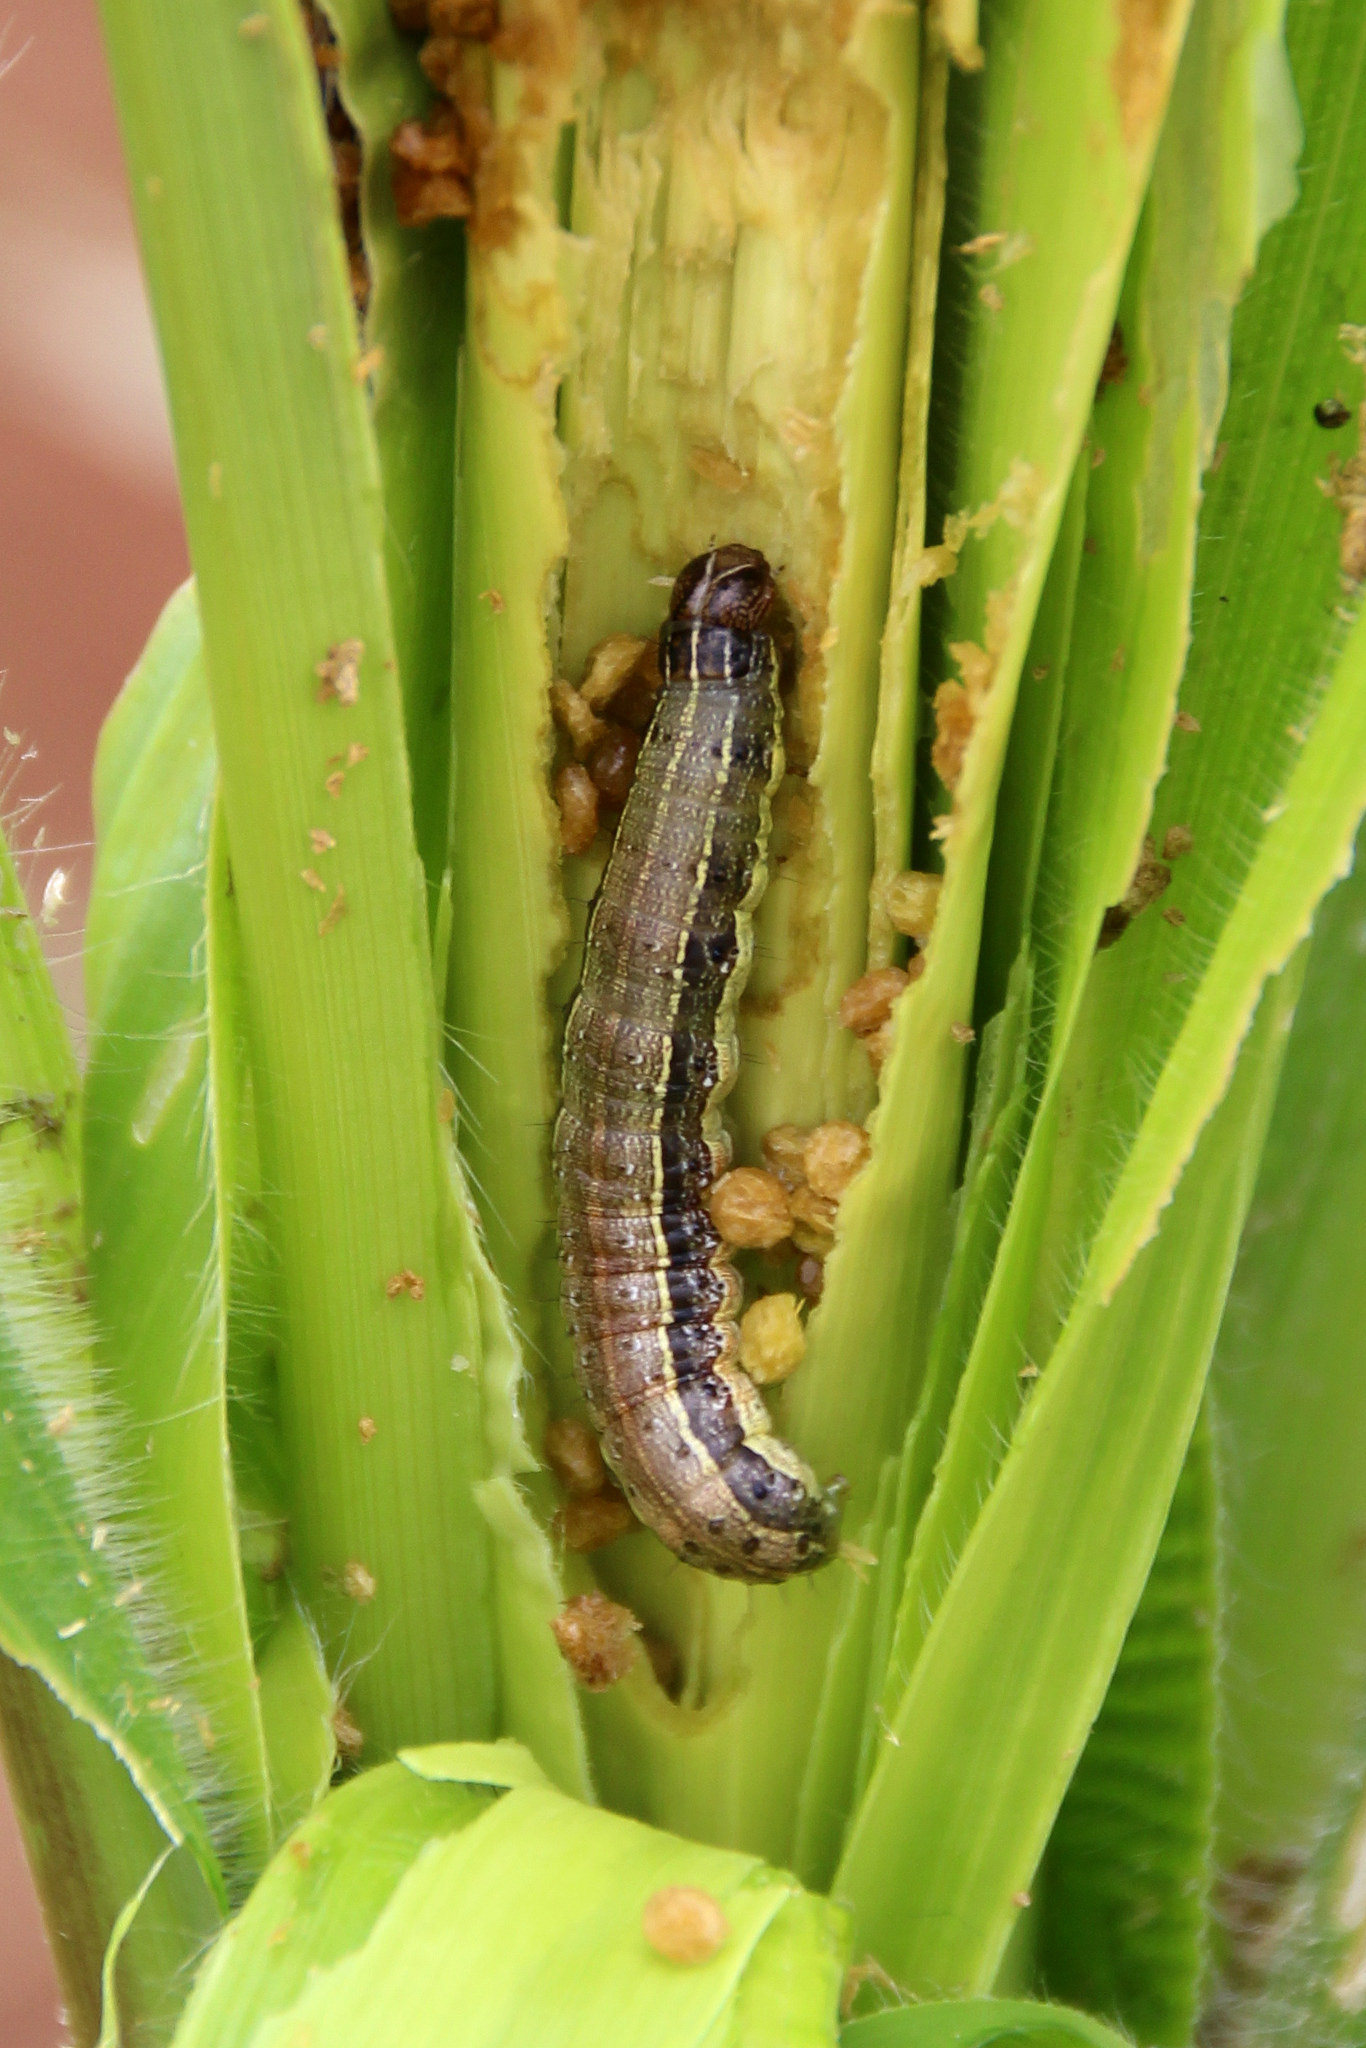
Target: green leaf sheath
151,1204
753,388
281,484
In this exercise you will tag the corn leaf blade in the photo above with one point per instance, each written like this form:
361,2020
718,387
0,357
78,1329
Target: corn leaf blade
319,1899
151,1199
980,2023
1100,1446
1019,440
1126,1881
281,484
413,325
483,1926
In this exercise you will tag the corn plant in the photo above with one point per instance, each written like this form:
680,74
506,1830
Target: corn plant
1031,351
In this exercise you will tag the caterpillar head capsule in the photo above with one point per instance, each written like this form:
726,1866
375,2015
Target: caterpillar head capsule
730,586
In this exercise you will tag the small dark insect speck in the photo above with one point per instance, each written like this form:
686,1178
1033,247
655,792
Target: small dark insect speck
1332,413
39,1112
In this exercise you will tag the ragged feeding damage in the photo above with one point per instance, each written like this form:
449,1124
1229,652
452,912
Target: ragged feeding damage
456,163
687,257
694,289
345,144
714,327
730,180
1015,503
959,705
1346,486
1145,56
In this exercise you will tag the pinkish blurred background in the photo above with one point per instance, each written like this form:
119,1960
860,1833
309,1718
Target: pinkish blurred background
90,544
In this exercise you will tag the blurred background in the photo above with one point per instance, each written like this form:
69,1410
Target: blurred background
91,544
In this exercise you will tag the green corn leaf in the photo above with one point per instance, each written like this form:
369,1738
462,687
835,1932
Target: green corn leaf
1302,849
286,534
1290,1413
946,1840
1125,1885
92,1837
892,763
1064,190
1288,1401
1023,808
413,320
510,539
1129,632
1232,753
106,1766
1296,1935
70,1583
490,1918
297,1703
319,1900
980,2023
539,1701
1286,867
787,1996
1029,449
293,1687
158,1293
111,2029
505,1765
1004,1101
1288,1381
72,1569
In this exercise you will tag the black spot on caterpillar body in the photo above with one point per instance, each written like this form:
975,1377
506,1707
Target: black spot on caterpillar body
650,1052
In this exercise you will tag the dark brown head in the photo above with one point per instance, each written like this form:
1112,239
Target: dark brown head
730,586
